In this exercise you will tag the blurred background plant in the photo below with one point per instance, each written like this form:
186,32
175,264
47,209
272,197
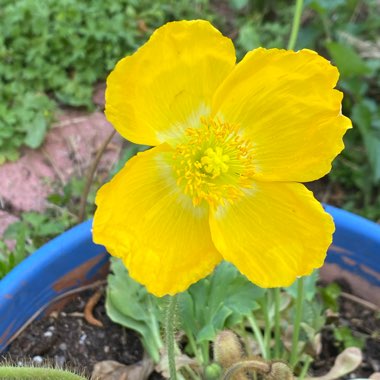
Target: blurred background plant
53,53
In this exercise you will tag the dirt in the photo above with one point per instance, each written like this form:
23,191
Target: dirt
67,339
363,323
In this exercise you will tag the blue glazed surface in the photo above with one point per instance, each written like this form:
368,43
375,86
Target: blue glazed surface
41,277
356,245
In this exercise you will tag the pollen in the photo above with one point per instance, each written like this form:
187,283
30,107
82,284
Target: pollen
214,163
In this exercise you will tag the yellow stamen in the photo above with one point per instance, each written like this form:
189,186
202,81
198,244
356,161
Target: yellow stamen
214,163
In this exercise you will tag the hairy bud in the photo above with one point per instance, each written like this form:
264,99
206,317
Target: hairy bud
279,371
228,351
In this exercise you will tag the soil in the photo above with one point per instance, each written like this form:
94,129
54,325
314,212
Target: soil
67,339
363,323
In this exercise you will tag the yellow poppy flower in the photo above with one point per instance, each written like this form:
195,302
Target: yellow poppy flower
231,142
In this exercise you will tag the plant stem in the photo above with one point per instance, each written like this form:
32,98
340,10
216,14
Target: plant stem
296,25
29,373
190,372
170,335
277,322
297,322
258,336
90,177
205,352
268,325
194,347
305,368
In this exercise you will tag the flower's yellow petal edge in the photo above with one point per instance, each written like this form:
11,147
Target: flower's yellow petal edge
141,217
274,234
285,103
163,88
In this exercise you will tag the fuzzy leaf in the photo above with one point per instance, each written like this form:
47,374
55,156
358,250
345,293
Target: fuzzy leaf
209,305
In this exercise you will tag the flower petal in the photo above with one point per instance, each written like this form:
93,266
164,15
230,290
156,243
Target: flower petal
156,93
164,241
274,234
285,103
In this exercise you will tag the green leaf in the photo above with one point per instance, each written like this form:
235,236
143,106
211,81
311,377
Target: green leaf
248,37
238,4
330,295
36,132
366,117
348,61
207,306
129,304
344,335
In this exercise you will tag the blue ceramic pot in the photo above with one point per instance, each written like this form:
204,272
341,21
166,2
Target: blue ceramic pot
72,260
69,261
354,254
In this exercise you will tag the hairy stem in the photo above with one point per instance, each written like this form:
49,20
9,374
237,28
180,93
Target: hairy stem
297,322
277,321
170,335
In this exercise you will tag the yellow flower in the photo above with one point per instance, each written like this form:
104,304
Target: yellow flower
231,142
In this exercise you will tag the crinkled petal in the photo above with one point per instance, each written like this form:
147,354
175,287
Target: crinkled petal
277,232
142,217
164,88
285,103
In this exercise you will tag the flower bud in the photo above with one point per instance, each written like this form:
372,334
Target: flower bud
279,371
213,372
227,349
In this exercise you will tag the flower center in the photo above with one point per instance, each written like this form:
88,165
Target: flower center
213,163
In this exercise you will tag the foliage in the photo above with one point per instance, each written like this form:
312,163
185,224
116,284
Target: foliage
330,295
9,258
227,305
346,338
224,299
140,313
54,51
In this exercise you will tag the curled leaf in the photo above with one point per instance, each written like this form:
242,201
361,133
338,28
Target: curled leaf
346,362
113,370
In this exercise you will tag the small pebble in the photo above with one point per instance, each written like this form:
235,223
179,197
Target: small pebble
38,359
48,334
106,349
59,360
51,328
82,338
63,346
